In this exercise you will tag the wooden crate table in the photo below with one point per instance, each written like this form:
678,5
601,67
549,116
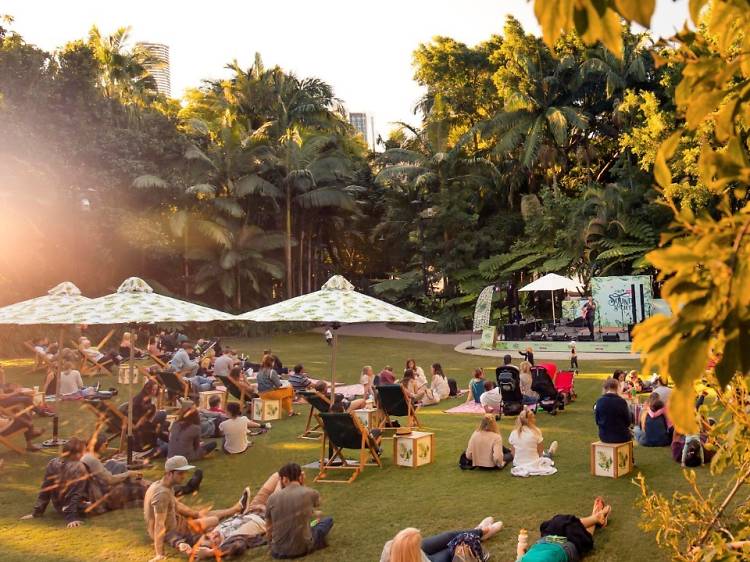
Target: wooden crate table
611,459
266,410
368,416
414,449
205,396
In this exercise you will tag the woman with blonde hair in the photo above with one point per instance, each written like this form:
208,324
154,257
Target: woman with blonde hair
529,396
126,344
270,386
485,448
527,444
409,546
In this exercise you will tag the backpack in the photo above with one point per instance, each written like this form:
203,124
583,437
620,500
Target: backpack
467,547
453,386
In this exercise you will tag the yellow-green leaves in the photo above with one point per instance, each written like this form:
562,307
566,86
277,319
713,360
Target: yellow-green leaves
593,20
662,173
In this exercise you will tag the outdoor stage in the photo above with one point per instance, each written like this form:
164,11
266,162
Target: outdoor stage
564,346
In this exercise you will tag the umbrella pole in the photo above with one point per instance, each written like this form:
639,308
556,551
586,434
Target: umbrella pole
554,320
333,365
58,369
131,368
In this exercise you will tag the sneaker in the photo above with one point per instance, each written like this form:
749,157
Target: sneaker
244,501
552,448
266,425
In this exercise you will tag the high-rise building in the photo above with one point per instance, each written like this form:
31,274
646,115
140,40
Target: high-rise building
359,122
160,70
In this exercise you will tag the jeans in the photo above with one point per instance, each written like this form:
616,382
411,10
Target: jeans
200,383
319,533
529,400
640,435
436,548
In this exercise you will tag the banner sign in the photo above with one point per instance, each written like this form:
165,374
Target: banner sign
489,335
614,299
483,308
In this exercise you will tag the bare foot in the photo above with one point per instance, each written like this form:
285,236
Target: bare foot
492,530
486,522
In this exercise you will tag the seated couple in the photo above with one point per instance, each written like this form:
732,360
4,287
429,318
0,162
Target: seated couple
78,484
229,424
485,449
283,514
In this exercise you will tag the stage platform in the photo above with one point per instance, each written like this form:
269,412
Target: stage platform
564,346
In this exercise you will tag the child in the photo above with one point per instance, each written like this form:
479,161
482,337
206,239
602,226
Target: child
573,358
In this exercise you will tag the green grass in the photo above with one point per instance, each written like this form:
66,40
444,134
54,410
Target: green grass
370,511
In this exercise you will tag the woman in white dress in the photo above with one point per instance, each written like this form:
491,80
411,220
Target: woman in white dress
418,372
439,388
527,443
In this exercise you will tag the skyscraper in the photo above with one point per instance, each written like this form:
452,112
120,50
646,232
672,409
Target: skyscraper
359,122
159,71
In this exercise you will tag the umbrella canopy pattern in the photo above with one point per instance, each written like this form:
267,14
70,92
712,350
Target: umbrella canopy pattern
552,282
336,301
136,303
47,309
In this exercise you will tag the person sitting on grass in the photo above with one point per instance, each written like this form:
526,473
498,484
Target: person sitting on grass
439,383
527,443
491,399
233,536
294,526
485,448
417,370
298,379
414,390
110,485
270,386
654,428
235,430
169,521
612,414
185,434
71,384
476,386
565,538
367,380
408,545
386,376
526,379
64,485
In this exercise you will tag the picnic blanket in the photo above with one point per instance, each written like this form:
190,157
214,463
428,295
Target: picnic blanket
347,390
543,466
467,408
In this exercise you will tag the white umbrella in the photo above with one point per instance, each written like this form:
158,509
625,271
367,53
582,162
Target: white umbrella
136,303
552,282
335,303
46,309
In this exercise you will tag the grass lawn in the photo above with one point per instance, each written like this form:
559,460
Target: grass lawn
433,498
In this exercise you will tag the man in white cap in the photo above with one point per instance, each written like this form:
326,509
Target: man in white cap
171,522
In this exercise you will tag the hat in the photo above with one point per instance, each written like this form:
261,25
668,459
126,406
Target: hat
177,463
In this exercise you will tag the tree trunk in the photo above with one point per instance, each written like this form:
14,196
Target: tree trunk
309,263
301,264
288,244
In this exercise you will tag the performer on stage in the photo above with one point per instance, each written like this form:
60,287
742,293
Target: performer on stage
589,311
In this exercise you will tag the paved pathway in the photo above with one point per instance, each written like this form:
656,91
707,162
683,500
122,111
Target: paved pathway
460,341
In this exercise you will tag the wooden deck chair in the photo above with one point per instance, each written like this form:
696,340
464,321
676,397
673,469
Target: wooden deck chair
161,364
318,403
393,401
40,360
172,383
90,367
233,389
345,431
7,416
110,420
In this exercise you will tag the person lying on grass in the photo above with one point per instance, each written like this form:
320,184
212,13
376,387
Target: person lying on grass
409,544
238,533
169,521
565,538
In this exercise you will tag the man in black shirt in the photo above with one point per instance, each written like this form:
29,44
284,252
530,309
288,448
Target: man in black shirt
612,415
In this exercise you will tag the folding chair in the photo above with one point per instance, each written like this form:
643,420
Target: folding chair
233,389
7,417
393,401
345,431
318,402
171,383
110,420
40,360
89,366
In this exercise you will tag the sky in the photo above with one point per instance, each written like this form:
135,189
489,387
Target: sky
363,49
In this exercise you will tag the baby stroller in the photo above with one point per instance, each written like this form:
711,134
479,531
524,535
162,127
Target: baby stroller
564,384
550,400
509,382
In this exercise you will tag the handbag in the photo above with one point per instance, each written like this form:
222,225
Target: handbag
464,463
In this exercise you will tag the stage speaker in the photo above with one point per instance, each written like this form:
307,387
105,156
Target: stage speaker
560,336
610,337
537,336
585,337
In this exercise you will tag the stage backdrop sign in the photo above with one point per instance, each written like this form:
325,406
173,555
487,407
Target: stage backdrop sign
483,308
614,300
489,335
572,307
